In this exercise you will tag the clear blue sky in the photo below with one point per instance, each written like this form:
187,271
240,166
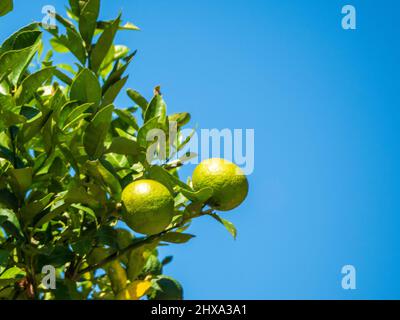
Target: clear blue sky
324,103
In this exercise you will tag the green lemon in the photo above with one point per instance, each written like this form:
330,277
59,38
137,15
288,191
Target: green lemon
167,289
149,206
228,181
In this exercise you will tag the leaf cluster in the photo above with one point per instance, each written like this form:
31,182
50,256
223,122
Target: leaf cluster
66,153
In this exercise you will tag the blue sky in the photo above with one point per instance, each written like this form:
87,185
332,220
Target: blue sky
324,103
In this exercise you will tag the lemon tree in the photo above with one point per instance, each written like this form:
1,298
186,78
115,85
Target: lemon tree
77,190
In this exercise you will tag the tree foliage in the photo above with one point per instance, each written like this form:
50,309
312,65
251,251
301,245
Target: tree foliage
66,153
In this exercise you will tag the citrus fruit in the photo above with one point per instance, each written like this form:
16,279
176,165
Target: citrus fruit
167,289
228,181
153,266
148,206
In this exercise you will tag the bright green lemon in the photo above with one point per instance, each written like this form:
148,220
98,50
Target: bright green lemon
149,206
228,181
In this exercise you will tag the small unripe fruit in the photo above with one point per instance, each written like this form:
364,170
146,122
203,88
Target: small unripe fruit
228,181
149,206
169,289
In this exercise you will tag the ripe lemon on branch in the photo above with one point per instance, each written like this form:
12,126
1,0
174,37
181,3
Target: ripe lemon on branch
228,181
149,206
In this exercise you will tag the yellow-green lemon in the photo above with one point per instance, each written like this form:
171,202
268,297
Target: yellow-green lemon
228,181
149,206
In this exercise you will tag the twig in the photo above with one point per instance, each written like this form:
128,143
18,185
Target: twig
137,245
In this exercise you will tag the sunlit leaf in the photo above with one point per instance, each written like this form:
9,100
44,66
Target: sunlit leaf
227,224
96,132
86,88
31,84
103,45
177,237
87,20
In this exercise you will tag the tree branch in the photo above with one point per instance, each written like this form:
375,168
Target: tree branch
118,254
137,244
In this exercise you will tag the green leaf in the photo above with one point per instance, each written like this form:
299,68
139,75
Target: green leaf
107,236
127,117
138,99
78,194
88,20
33,127
118,71
9,112
5,7
50,135
65,22
58,257
21,180
31,84
155,123
73,42
11,275
198,196
112,93
74,112
13,63
227,224
82,246
153,266
7,198
176,237
96,132
33,208
101,25
58,45
156,108
8,44
4,254
121,145
105,177
103,45
167,260
129,26
163,176
9,220
75,7
57,101
86,88
26,39
181,118
87,210
63,77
